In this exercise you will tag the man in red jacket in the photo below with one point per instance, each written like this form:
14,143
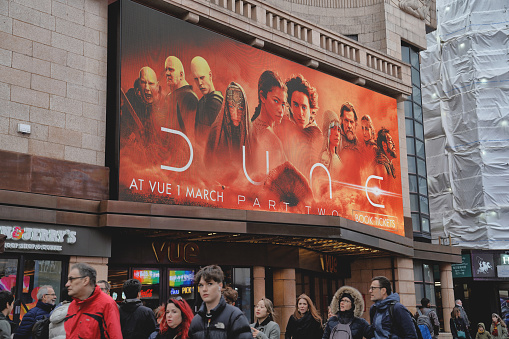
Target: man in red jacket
92,313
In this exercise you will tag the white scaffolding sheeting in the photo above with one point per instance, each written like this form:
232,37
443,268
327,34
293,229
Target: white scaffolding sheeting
465,94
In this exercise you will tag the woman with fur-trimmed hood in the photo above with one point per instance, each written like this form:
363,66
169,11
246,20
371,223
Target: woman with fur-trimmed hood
347,306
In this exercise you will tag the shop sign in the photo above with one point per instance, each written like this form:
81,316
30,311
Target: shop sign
28,238
176,252
182,143
329,263
463,270
41,238
503,271
483,265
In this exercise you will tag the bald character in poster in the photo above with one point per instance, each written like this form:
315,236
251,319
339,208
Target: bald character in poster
181,100
140,104
210,103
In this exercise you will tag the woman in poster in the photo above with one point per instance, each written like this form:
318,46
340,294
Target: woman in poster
270,110
331,136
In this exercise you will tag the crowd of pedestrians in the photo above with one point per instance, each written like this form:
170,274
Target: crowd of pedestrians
87,311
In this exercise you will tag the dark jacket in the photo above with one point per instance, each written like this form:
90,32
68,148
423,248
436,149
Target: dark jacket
306,327
358,327
458,324
136,320
400,326
224,322
40,310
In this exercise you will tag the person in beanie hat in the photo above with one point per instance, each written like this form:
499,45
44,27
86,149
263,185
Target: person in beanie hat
347,306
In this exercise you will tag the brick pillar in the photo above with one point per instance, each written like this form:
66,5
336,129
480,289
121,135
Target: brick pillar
447,287
258,283
284,296
405,286
100,264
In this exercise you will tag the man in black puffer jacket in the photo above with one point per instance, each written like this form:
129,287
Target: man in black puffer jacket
216,319
136,320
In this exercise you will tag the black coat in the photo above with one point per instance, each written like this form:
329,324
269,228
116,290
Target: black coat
136,320
306,327
358,327
224,322
458,324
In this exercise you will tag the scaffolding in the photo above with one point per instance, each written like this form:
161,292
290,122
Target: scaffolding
465,95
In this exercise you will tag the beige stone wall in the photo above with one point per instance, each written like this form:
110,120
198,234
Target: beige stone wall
53,78
100,264
379,24
364,270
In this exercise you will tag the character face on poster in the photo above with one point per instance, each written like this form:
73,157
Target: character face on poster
209,121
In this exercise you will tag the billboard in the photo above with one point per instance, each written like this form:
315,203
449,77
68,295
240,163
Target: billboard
205,120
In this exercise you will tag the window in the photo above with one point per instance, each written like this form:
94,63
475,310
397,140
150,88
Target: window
424,282
418,181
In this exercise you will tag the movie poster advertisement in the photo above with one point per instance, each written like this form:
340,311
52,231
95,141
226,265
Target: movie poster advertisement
209,121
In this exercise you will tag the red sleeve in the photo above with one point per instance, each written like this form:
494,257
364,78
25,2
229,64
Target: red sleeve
112,320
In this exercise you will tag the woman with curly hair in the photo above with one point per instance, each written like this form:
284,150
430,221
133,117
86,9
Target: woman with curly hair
305,323
175,322
347,307
498,328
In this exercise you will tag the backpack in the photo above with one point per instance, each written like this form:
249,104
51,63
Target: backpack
40,330
391,310
424,320
425,332
341,331
417,329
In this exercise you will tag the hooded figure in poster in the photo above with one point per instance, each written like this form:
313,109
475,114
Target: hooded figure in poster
230,130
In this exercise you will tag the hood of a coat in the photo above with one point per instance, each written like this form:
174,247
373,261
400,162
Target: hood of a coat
356,295
59,313
481,325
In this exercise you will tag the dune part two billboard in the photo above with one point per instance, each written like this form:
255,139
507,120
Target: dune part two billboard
205,120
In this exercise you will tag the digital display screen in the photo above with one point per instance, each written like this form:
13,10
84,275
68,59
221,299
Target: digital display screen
147,277
181,278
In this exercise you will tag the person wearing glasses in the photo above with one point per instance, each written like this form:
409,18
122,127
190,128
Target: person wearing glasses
216,319
92,313
104,286
175,321
389,318
347,306
45,304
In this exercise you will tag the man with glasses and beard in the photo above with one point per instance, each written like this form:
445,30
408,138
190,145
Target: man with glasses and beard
92,313
45,304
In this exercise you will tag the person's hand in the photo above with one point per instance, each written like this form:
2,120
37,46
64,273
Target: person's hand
255,332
